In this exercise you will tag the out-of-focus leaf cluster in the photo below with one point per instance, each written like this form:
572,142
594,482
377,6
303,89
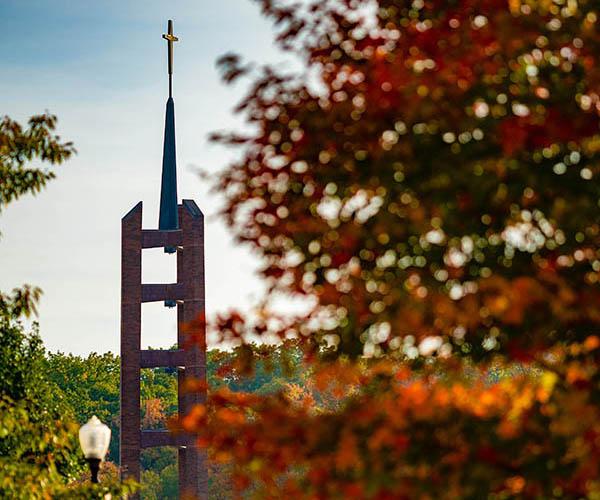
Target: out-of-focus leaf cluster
19,147
426,187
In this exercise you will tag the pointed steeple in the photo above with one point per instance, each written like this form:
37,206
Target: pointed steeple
168,218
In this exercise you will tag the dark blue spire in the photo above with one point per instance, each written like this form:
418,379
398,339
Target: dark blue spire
168,219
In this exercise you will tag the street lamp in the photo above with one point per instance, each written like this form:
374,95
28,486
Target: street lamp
94,438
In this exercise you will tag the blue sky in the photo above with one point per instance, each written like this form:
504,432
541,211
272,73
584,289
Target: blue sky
101,68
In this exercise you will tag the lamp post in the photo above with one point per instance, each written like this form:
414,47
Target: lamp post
94,438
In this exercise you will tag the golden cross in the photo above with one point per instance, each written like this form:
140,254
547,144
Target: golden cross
170,38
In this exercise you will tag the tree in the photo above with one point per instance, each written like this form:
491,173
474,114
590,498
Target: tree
18,148
91,386
262,369
427,183
38,444
39,449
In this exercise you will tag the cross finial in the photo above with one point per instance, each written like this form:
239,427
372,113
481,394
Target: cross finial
170,38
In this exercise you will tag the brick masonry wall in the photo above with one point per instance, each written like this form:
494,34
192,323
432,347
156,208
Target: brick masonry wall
190,291
131,312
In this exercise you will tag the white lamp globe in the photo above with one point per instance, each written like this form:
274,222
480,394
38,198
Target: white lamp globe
94,438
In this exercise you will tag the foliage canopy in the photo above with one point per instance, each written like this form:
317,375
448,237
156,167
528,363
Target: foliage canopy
40,456
428,183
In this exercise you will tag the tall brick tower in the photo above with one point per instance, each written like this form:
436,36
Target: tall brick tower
181,231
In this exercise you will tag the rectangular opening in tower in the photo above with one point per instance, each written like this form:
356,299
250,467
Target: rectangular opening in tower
158,266
159,326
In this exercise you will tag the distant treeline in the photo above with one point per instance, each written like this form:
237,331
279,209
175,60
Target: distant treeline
90,386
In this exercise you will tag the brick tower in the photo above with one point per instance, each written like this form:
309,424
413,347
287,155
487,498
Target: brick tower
181,231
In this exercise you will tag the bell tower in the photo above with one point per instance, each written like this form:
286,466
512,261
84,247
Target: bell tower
181,231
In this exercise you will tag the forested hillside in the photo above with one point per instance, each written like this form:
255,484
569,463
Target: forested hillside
90,386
